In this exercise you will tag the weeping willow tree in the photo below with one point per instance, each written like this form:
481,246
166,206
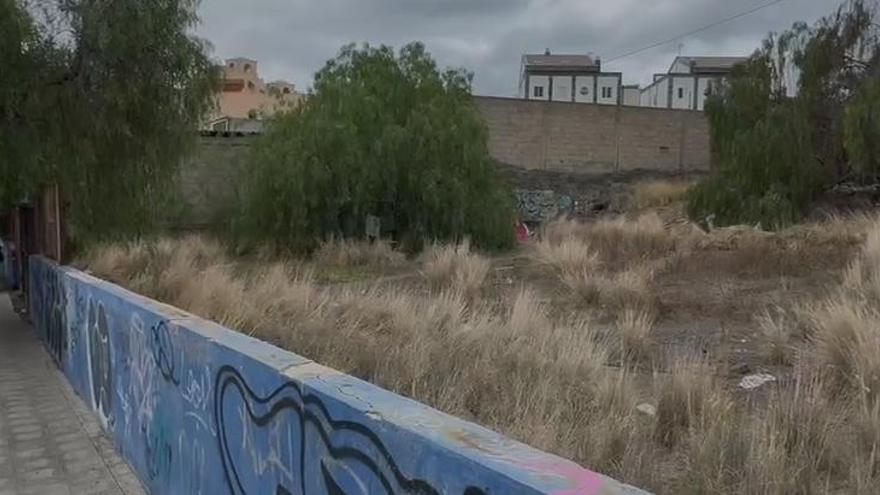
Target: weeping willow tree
384,134
101,97
778,126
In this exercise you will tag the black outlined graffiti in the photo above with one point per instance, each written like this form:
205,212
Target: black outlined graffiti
163,352
99,359
54,303
329,470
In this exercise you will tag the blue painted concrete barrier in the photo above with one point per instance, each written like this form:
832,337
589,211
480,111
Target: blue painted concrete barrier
197,408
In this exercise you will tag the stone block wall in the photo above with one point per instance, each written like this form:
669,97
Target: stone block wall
208,180
586,138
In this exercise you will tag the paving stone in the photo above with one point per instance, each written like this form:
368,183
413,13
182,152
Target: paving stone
49,442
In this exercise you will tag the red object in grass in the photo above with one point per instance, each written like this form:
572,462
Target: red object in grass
522,232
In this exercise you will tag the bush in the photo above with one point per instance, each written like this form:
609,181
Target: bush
776,146
385,135
861,128
765,171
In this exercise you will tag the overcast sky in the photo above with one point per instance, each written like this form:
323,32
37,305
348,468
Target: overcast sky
292,39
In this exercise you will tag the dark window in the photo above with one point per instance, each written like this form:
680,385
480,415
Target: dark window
250,85
539,91
286,91
680,93
607,92
247,67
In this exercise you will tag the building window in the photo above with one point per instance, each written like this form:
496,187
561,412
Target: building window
231,65
680,93
538,91
286,91
250,85
607,92
247,67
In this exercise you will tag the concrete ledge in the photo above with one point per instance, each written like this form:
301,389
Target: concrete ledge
198,408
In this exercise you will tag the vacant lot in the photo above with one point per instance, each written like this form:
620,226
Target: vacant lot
629,344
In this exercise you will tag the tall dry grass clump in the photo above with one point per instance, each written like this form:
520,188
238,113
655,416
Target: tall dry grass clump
634,329
579,255
455,266
659,193
625,240
776,328
346,253
568,255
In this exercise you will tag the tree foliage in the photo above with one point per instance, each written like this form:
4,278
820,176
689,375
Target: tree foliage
101,97
778,126
382,134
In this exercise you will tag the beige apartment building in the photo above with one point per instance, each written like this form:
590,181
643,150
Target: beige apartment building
245,99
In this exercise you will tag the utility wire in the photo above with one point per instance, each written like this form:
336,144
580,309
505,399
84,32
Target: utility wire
695,31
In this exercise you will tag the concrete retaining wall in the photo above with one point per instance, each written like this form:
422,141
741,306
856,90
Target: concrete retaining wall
197,408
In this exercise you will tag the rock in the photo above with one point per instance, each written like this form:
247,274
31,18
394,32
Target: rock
751,382
647,409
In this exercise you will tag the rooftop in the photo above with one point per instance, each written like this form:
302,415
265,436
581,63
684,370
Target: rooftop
710,63
559,61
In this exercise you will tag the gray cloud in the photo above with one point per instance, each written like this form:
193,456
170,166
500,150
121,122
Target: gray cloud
294,38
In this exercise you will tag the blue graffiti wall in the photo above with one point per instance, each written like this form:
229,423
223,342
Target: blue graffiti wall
196,408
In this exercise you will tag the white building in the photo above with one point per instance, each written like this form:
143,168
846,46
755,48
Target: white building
631,95
688,83
569,78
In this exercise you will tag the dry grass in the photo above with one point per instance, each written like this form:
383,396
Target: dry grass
659,193
551,378
634,330
456,267
347,253
616,240
776,327
576,251
569,255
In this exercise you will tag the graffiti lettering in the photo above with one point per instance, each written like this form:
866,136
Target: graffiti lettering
53,302
192,463
330,456
158,450
99,360
163,352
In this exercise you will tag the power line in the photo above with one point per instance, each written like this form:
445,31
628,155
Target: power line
695,31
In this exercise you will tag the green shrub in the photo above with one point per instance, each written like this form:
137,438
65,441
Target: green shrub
382,134
767,175
862,129
777,127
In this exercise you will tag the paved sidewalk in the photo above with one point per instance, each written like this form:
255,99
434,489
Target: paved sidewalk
49,441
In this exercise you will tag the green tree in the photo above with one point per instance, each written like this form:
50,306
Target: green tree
105,109
862,130
382,134
777,127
